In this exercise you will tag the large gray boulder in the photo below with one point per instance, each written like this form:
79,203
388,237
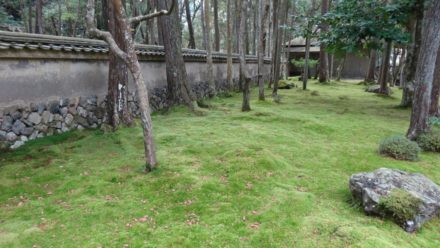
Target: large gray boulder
372,188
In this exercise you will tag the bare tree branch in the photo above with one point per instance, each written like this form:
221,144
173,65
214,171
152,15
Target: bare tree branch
141,18
106,36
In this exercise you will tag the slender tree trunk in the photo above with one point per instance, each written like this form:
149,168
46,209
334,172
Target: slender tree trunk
394,69
275,35
160,31
203,24
323,58
340,68
117,92
434,109
305,77
75,23
371,67
30,16
192,41
384,70
177,80
229,46
216,27
283,10
264,14
415,28
39,16
425,72
209,59
244,78
60,21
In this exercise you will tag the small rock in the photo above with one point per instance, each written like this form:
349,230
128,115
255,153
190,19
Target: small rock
82,112
11,137
18,127
27,131
34,135
47,117
64,102
2,136
69,120
24,138
16,115
54,107
17,144
41,107
34,118
64,111
7,123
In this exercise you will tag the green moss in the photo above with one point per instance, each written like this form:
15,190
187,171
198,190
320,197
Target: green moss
399,147
401,205
430,141
273,177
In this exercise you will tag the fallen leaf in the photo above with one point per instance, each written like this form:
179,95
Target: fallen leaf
255,226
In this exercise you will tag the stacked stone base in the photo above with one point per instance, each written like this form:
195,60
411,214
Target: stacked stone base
19,124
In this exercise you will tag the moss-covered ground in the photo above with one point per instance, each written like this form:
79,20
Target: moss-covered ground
273,177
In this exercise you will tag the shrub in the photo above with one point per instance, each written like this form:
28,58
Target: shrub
430,141
434,121
401,205
399,147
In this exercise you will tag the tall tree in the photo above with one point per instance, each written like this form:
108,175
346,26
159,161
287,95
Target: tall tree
425,73
216,26
371,67
177,79
229,45
130,58
385,68
117,88
283,9
264,14
192,41
207,36
323,58
415,28
38,16
274,36
244,78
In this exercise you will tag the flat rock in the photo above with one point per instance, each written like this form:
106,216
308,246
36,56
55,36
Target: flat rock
371,187
34,118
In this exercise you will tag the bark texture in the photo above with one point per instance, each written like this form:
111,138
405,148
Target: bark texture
261,46
192,41
385,68
229,45
323,58
434,109
371,67
425,72
179,90
207,36
244,78
38,16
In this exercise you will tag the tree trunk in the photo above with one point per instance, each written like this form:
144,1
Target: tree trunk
30,16
151,24
425,72
117,91
192,41
275,34
209,60
60,21
216,27
384,70
160,31
39,16
264,17
394,69
244,78
331,64
323,58
177,80
229,46
305,76
415,28
371,67
340,68
434,110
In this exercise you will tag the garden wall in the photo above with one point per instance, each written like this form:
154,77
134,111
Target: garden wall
52,84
